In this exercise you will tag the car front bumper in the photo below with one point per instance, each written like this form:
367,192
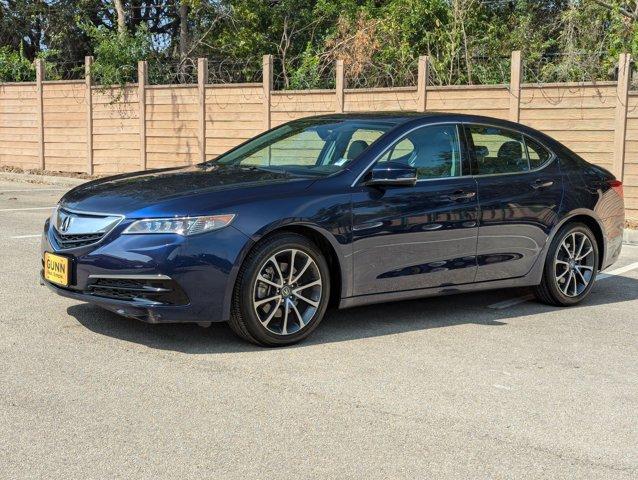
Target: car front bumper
201,268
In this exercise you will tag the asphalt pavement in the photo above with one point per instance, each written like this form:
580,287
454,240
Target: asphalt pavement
486,385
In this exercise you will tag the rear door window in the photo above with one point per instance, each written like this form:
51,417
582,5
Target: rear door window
498,150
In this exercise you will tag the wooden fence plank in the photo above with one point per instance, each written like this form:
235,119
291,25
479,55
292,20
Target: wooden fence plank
88,98
202,79
515,86
142,79
422,83
620,125
340,85
39,78
267,85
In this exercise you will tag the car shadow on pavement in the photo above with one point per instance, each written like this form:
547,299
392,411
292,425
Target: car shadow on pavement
350,324
337,326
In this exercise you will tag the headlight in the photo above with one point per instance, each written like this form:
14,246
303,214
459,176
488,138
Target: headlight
180,226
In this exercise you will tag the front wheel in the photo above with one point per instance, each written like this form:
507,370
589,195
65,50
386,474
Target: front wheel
281,292
570,266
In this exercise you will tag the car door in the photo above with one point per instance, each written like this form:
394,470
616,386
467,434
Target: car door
412,237
520,191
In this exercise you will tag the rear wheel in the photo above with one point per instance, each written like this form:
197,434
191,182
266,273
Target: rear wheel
281,292
571,266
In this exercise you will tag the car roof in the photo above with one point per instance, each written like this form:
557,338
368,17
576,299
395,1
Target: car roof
402,117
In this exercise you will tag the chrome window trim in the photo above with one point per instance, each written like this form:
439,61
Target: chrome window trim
545,165
550,160
52,226
385,150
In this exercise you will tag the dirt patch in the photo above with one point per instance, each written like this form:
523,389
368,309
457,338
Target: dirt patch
37,171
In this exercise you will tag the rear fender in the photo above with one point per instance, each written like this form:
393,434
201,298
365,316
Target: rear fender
536,273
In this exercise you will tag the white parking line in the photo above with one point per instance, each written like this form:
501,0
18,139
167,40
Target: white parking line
601,276
22,209
35,190
618,271
27,236
511,302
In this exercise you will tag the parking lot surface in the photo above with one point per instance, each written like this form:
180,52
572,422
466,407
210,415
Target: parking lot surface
486,385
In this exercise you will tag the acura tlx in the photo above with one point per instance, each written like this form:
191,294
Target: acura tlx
339,210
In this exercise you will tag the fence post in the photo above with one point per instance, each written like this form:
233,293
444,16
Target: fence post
422,83
39,78
267,83
620,124
340,84
202,79
88,98
142,78
515,86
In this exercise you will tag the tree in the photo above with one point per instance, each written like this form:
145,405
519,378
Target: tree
468,41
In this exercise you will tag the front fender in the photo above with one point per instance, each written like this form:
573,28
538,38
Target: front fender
341,251
324,210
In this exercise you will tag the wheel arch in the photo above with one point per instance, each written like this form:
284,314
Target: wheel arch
322,241
326,243
589,218
582,215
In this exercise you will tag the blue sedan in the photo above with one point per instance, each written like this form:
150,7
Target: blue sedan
339,210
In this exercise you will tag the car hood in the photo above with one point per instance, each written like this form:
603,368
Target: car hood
195,190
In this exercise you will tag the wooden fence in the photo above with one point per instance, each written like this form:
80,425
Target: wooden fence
74,126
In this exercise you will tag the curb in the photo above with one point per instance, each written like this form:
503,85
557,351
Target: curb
630,237
42,179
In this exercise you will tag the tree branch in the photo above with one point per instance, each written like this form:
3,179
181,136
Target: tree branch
622,10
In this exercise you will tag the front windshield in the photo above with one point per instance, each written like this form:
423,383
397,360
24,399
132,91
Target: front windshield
308,147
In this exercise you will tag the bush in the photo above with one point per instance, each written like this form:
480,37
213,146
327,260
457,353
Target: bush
15,67
116,55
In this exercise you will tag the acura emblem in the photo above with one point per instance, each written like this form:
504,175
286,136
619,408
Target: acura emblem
66,223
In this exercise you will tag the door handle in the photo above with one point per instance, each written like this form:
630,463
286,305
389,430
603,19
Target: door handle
541,184
461,195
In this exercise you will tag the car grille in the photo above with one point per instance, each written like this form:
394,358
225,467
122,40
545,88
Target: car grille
162,291
75,241
78,229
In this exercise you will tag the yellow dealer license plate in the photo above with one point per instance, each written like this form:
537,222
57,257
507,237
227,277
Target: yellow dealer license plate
56,269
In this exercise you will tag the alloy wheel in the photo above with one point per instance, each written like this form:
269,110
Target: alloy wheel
574,264
287,291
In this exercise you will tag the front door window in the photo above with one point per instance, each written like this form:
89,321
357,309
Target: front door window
434,151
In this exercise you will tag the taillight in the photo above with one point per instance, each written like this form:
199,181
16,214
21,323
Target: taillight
617,186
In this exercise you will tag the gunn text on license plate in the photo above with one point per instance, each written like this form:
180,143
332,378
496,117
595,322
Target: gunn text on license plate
56,269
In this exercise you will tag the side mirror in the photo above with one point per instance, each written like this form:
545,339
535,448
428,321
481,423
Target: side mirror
392,174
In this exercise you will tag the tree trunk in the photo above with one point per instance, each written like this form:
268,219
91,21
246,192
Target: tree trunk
121,18
183,30
183,43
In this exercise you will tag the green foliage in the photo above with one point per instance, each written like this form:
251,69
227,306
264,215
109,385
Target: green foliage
307,74
15,67
116,56
468,41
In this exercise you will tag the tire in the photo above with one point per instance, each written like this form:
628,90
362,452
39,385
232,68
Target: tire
568,274
264,290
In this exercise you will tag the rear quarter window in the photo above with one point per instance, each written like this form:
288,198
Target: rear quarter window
538,155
